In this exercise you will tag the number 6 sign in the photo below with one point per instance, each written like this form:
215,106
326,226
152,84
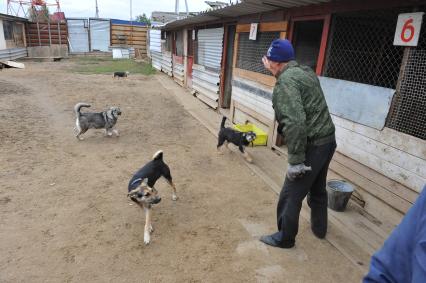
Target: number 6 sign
408,29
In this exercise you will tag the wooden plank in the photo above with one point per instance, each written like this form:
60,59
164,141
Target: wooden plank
127,28
13,64
243,28
393,200
387,153
257,77
275,26
390,185
252,113
258,104
206,100
138,42
134,33
234,60
264,27
401,141
388,169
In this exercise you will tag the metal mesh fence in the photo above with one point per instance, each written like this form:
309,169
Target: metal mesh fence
408,114
361,48
250,52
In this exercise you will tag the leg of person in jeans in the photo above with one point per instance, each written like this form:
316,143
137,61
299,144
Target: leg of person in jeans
292,195
317,200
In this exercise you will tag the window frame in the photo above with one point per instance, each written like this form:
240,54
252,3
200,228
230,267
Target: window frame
268,80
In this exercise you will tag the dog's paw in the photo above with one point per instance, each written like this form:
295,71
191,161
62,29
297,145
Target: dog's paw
146,238
174,197
151,229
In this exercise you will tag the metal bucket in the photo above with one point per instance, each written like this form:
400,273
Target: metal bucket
339,192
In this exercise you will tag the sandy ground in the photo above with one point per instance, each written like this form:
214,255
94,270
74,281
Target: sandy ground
64,212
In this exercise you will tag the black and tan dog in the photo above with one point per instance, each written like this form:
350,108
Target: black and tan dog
100,120
141,188
240,139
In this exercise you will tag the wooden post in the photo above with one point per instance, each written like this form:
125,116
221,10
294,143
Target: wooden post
50,34
185,55
38,33
323,46
59,34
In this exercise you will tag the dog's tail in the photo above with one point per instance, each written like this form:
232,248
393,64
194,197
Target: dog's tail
158,155
222,125
78,106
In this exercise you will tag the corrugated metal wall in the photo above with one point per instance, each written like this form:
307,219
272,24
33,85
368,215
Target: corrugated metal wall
13,53
155,48
156,58
210,48
166,63
99,34
155,40
78,31
206,73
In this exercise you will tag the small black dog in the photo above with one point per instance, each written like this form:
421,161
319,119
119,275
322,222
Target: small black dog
121,74
141,188
228,135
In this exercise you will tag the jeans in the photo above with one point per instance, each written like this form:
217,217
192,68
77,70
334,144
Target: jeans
312,184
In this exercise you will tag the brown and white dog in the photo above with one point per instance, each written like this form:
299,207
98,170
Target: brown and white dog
141,188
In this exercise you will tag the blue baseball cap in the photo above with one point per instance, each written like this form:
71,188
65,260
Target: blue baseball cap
281,50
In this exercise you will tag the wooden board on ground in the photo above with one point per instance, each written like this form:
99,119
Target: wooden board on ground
13,64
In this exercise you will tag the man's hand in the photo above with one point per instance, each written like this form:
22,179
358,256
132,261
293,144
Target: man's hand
297,171
266,63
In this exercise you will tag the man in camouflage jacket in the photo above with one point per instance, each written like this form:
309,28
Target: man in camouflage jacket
303,119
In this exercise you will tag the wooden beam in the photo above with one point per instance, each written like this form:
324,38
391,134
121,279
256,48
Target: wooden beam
263,27
257,77
252,113
323,46
234,62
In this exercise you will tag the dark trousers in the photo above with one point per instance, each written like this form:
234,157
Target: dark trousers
312,184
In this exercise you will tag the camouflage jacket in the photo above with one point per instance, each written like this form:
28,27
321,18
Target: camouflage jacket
301,110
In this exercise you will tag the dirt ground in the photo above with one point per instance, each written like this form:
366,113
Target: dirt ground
64,212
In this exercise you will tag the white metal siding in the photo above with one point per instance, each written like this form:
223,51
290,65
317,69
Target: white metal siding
156,57
100,35
206,73
210,48
13,53
155,40
78,35
167,63
178,73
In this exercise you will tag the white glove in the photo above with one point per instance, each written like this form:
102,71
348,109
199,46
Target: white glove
297,171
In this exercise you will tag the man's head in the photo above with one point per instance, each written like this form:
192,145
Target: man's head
279,53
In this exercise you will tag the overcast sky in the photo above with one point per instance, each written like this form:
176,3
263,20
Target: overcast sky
118,9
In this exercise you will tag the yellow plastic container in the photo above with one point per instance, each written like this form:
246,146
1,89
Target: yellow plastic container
261,136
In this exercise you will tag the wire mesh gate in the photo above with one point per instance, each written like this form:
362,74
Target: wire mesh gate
408,114
250,52
361,48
